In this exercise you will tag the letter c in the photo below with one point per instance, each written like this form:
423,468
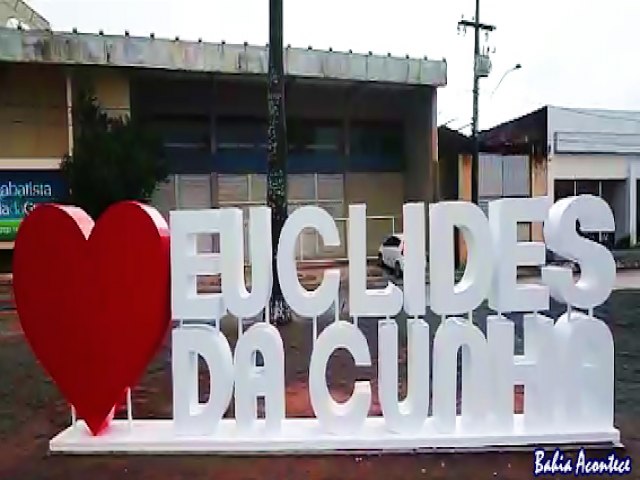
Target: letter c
347,417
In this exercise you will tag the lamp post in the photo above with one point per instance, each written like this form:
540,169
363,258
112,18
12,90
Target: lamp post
517,66
279,312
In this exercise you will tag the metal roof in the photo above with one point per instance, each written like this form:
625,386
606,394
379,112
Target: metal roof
41,46
19,10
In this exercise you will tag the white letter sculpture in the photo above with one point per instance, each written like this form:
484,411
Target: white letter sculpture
566,366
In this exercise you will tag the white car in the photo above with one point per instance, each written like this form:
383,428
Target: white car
391,254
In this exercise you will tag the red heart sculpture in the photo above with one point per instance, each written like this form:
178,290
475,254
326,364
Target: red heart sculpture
93,301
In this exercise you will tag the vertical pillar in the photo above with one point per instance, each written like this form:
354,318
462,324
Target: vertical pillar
434,194
213,145
633,204
421,148
350,95
69,107
550,179
539,188
176,191
464,193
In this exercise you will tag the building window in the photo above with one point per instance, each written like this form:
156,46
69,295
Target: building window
308,136
380,139
186,192
589,187
241,133
612,191
325,191
183,132
563,189
376,147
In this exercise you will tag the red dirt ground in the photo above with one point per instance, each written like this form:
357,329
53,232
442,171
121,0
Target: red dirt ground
31,412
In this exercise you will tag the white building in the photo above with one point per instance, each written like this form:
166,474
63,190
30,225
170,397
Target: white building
579,151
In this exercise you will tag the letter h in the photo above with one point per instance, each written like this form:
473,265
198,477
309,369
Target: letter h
534,370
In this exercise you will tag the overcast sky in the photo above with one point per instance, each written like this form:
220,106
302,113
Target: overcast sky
574,53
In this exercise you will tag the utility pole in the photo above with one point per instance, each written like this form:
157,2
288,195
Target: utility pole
279,312
481,67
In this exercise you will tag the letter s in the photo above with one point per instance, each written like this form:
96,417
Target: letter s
597,266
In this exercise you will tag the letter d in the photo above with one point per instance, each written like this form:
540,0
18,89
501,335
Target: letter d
188,343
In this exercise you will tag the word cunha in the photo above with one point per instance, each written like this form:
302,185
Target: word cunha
566,368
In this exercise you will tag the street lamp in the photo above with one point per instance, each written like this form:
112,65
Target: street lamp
517,66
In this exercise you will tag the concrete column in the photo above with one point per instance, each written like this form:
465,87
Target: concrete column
213,132
421,150
434,177
550,179
538,189
69,109
464,193
346,152
633,205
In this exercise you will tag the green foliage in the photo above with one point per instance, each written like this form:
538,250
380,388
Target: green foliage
113,159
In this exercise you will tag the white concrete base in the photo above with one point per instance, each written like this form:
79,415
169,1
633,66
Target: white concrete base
303,436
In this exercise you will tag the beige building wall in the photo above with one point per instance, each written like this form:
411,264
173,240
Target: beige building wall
464,193
35,101
538,189
112,89
33,113
421,151
585,167
383,193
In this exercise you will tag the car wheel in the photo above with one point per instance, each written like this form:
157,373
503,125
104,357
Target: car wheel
380,262
397,271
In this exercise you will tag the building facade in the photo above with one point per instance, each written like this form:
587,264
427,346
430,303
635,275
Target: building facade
361,128
579,151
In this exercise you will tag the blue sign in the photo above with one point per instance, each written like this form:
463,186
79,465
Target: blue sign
21,191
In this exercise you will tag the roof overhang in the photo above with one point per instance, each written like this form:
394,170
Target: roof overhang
41,46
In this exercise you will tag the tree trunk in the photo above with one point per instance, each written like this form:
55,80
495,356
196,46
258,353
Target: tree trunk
277,157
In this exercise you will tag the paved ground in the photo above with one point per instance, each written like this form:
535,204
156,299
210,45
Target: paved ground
31,412
628,279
